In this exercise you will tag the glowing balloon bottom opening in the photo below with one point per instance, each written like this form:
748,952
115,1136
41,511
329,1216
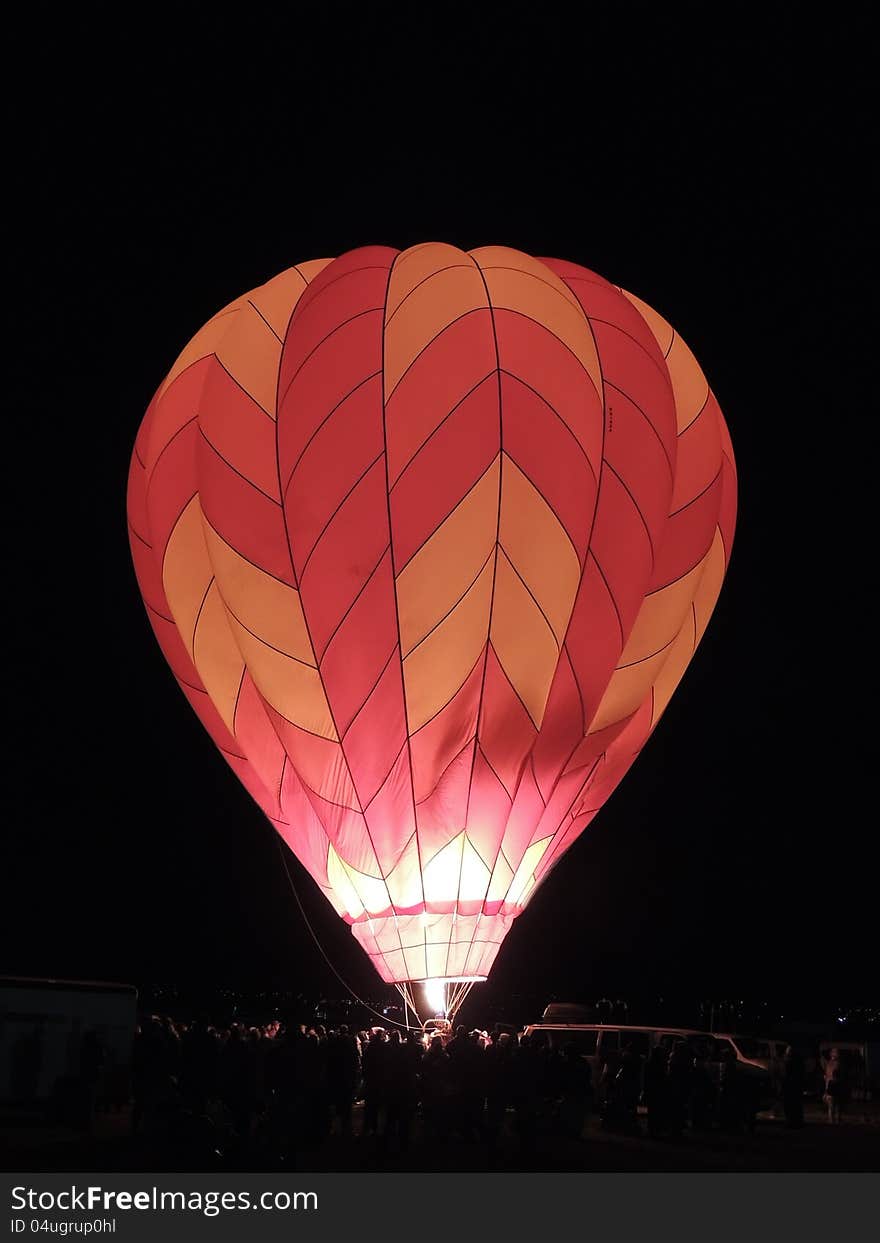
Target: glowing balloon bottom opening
442,997
435,996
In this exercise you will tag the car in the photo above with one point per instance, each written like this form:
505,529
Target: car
761,1051
602,1045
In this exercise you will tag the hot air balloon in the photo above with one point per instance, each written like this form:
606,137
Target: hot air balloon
428,539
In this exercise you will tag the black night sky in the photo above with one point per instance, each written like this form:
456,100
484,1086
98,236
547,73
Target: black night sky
722,180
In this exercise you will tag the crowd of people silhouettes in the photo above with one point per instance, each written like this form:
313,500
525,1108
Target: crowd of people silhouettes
282,1088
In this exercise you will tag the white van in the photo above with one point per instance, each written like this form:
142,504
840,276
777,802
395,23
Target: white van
603,1043
761,1051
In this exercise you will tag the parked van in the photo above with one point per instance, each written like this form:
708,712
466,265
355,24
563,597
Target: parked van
761,1051
602,1044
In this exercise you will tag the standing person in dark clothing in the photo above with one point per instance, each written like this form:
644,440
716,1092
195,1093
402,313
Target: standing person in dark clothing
628,1087
395,1089
702,1103
527,1081
343,1071
412,1063
402,1089
27,1064
750,1097
437,1089
679,1080
283,1083
730,1095
498,1060
575,1083
236,1078
657,1092
91,1065
793,1088
465,1059
199,1055
375,1064
145,1074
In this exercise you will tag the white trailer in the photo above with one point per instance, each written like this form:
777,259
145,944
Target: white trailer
43,1024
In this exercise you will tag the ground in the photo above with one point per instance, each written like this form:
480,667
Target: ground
854,1145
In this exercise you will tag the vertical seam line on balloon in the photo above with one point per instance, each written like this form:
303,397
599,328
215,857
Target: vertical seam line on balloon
278,453
588,543
397,624
651,695
564,651
494,576
296,585
532,759
238,697
195,629
280,778
167,385
614,605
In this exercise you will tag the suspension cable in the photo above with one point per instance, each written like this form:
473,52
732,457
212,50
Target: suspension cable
302,912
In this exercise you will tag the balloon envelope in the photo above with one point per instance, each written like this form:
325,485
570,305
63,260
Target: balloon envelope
428,539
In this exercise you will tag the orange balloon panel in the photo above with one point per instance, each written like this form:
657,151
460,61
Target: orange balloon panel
428,539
